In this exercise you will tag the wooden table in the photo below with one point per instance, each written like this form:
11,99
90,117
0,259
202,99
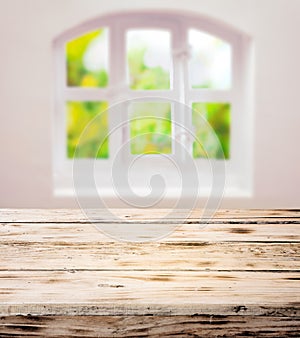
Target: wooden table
237,276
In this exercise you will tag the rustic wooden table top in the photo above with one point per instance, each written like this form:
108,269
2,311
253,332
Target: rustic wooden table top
237,276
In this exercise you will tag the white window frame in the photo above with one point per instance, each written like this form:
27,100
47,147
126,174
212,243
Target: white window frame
238,167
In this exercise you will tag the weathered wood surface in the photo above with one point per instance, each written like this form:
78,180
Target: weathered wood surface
119,288
148,326
238,275
62,233
192,256
144,326
76,215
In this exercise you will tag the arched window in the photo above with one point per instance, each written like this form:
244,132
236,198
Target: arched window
133,68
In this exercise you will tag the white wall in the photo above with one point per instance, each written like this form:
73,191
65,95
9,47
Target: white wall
27,29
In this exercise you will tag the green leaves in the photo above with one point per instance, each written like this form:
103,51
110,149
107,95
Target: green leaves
143,77
77,72
92,142
150,124
218,117
150,128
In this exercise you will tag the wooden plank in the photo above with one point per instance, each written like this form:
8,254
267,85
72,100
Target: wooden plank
76,215
128,292
150,326
237,275
149,256
18,233
291,309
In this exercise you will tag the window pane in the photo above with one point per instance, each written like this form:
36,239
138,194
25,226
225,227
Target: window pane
210,63
218,117
150,128
87,60
149,59
94,140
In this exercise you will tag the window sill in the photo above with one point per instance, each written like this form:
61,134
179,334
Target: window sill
169,199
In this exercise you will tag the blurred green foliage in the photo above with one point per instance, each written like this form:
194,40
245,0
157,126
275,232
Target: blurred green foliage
218,117
143,77
93,142
150,124
150,128
77,73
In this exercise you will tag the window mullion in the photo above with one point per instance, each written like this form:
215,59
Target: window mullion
180,89
209,95
117,81
152,94
86,94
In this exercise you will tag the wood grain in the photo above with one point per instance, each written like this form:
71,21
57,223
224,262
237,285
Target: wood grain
164,288
77,215
234,275
148,326
201,256
14,233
